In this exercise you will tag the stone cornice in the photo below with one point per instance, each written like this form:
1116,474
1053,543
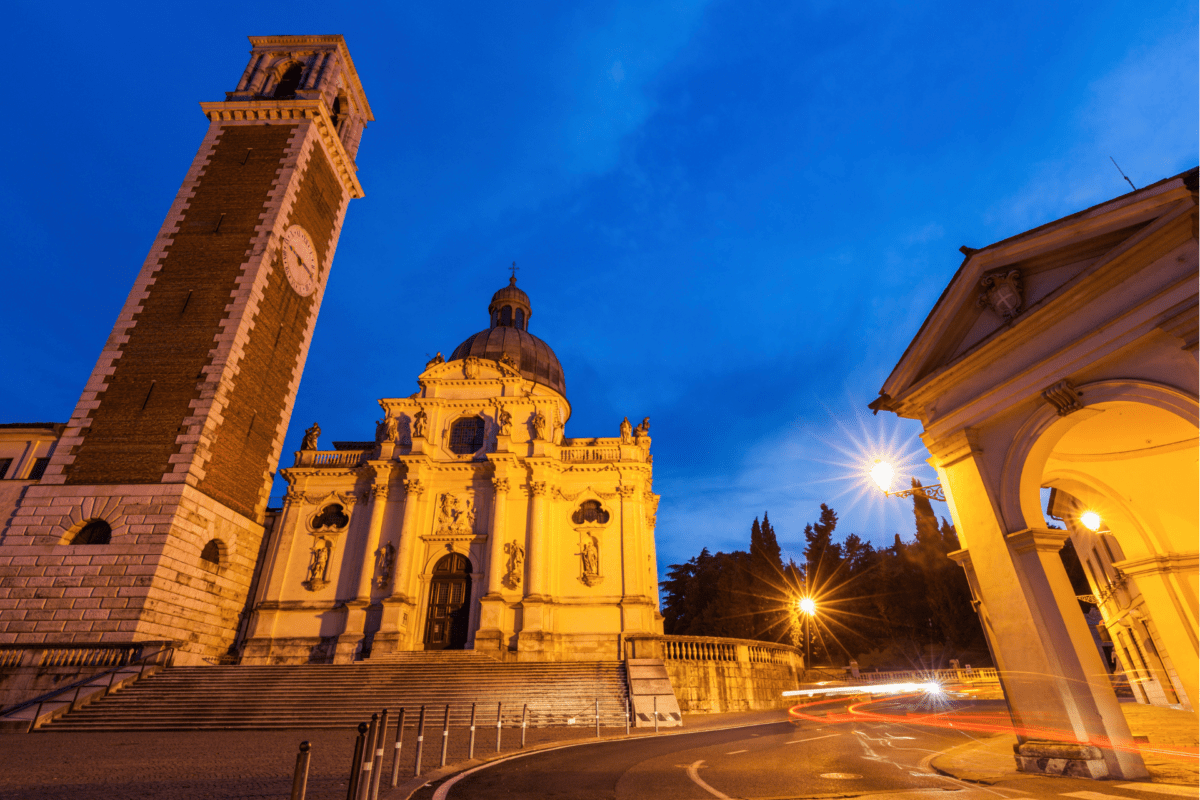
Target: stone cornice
312,110
1043,539
1166,562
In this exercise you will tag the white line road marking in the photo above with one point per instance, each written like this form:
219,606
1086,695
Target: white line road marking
693,772
1182,791
1094,796
813,739
735,752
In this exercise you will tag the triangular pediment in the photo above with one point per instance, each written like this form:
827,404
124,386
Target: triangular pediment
1007,284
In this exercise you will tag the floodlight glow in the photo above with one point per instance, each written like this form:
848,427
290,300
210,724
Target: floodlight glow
808,606
882,473
1091,520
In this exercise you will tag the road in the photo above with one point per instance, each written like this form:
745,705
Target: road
808,759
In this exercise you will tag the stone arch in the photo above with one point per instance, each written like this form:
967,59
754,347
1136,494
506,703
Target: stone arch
95,531
214,555
1021,478
286,75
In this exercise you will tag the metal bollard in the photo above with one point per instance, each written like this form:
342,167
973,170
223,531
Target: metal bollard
471,741
368,759
524,722
445,734
377,763
597,719
396,749
300,777
626,716
420,742
498,728
355,764
656,713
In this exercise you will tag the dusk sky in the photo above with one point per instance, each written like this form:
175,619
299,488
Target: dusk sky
731,217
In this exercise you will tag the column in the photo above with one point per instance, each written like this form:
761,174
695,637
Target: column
1053,675
403,573
366,574
536,552
496,536
630,561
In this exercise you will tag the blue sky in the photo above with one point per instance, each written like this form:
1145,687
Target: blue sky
730,217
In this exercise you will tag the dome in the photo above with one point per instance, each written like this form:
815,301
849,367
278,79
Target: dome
508,333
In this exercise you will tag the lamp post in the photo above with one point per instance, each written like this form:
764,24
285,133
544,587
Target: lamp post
882,473
807,608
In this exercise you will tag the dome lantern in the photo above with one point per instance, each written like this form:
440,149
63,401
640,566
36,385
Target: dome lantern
510,308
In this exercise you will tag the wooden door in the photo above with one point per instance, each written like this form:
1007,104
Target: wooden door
446,622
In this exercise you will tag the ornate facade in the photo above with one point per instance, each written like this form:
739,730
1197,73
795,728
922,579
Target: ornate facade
469,521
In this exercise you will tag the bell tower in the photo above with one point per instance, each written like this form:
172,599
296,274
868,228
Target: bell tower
178,431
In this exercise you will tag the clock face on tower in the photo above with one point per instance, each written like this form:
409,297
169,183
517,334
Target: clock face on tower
300,260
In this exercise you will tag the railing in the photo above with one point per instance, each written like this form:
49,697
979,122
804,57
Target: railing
591,454
984,675
711,648
75,654
162,656
331,458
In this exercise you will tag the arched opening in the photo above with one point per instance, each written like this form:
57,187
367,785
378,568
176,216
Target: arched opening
1124,477
211,554
335,113
521,318
446,622
466,436
95,532
506,316
289,82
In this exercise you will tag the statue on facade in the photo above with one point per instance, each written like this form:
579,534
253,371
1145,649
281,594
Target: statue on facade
626,432
504,420
643,429
589,561
385,562
514,568
540,425
419,422
318,564
387,429
507,360
468,515
433,362
310,437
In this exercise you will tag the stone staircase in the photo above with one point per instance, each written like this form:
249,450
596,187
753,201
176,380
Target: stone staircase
337,696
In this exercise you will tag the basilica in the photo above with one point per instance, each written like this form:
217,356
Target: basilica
470,521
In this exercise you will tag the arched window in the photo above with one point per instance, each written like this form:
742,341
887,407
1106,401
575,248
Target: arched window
466,435
521,318
211,553
336,112
95,532
506,316
331,516
290,81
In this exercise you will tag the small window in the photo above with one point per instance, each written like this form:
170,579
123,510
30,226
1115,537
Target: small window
589,511
331,516
290,82
521,318
506,316
5,463
211,553
466,435
39,468
95,532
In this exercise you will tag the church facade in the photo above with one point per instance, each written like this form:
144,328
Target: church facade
470,521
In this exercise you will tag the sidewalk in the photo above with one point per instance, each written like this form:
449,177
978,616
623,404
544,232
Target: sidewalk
990,759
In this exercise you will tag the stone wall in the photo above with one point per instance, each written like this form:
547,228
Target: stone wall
712,675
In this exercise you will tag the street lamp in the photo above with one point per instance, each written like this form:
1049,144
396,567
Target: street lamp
882,473
807,608
1092,521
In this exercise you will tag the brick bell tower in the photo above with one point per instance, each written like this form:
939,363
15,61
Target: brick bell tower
148,521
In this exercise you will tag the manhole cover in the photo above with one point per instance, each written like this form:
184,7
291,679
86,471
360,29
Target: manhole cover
840,776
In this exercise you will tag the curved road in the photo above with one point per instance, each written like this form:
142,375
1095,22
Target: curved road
809,759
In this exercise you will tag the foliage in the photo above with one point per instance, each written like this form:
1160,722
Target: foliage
897,606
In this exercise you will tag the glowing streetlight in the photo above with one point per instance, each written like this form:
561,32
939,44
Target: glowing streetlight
1092,521
807,607
883,472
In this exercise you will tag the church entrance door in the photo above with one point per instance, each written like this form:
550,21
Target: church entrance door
446,623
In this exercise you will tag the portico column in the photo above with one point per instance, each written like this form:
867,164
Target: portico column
379,494
630,562
1054,678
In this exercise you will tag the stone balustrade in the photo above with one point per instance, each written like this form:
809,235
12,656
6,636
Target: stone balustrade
346,459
